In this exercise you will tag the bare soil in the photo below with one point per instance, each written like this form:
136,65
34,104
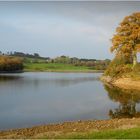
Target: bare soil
124,83
127,83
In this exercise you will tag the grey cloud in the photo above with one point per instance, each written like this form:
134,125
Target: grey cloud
80,29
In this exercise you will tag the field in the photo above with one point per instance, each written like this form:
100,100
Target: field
56,67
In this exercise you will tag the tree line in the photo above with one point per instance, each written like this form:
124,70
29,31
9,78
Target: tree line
91,63
36,58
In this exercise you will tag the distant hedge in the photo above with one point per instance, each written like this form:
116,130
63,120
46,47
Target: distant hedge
10,64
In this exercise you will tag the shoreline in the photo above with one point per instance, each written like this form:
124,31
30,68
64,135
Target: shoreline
122,83
67,71
11,72
56,130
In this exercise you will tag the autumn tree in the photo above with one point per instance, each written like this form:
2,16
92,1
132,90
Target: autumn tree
126,41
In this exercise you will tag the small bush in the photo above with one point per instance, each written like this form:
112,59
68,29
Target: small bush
118,67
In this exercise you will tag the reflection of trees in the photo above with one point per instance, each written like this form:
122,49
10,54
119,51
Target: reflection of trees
127,100
8,77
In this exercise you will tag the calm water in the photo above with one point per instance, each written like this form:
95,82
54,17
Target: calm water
30,99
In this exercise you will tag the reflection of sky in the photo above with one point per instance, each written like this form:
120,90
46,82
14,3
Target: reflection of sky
81,29
25,103
39,80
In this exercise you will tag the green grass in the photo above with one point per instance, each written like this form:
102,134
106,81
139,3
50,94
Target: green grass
53,67
133,133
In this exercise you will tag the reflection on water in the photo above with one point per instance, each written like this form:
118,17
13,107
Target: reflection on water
29,99
128,99
60,81
8,77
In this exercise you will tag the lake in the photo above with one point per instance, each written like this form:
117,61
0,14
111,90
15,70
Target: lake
31,98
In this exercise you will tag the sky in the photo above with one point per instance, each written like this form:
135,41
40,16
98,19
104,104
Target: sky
77,29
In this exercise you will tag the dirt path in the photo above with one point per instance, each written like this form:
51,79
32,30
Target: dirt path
67,127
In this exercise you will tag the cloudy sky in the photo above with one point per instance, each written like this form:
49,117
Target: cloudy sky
81,29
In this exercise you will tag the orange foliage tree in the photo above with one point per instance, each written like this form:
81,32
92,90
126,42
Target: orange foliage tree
126,41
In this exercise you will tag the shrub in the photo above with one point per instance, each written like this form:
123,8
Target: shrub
118,67
10,64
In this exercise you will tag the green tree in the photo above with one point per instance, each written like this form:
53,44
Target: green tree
126,41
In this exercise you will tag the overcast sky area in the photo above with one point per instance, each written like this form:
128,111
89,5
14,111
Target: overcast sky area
75,29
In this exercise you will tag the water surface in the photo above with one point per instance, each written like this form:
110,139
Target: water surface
30,99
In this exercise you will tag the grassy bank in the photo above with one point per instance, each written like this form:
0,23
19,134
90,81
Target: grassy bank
58,67
133,133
